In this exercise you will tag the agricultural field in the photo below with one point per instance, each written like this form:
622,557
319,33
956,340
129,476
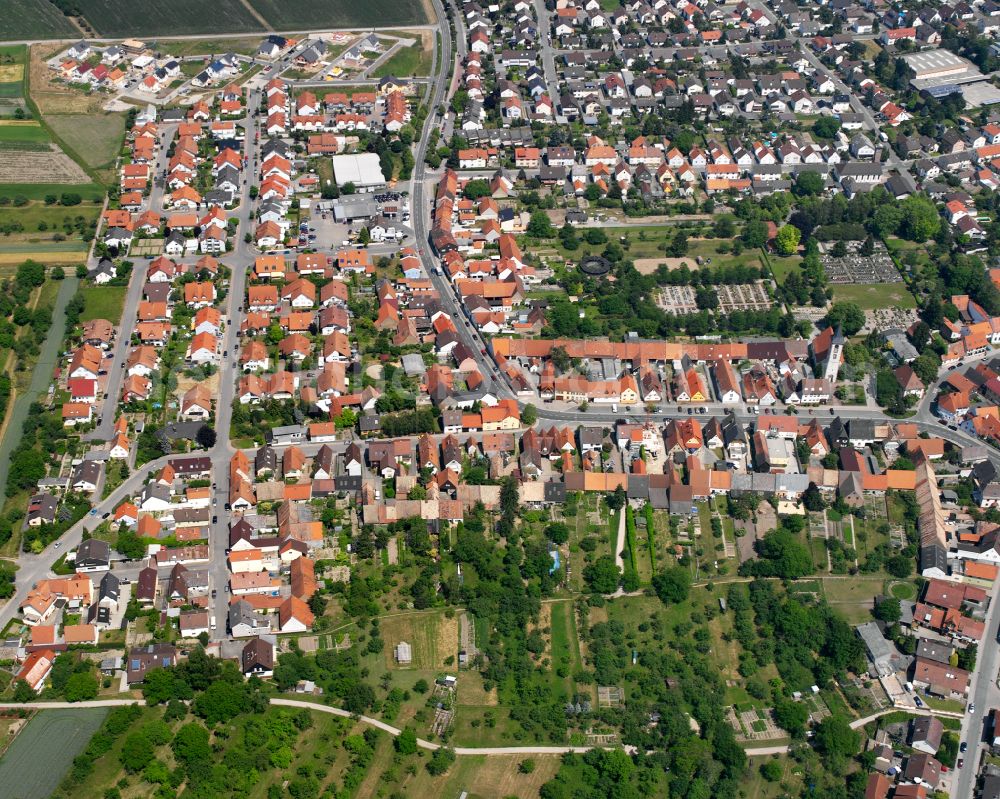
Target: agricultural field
13,60
47,232
39,166
40,755
312,14
34,19
180,17
96,138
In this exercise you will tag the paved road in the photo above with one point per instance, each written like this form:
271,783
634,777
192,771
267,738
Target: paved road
546,51
72,705
223,34
984,694
459,750
620,545
38,567
240,260
130,311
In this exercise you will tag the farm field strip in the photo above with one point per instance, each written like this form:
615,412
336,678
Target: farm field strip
308,14
35,763
179,17
34,19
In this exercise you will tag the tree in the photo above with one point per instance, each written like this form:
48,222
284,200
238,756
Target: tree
921,220
617,499
772,770
557,532
190,745
24,692
476,189
602,576
526,766
205,437
787,240
540,226
782,554
567,237
791,716
440,761
808,184
421,686
826,127
137,752
813,499
129,545
848,316
888,610
672,585
222,701
81,687
406,742
899,566
835,738
529,415
755,233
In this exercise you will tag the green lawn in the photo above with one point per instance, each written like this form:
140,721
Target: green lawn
241,45
878,295
407,61
783,267
103,302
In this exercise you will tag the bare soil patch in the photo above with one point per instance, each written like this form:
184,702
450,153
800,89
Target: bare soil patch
470,691
646,266
52,97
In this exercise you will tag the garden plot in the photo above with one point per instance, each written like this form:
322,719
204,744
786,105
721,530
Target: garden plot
146,248
677,299
744,297
34,166
753,724
857,268
610,696
875,508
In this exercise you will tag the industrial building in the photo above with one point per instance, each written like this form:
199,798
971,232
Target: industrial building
363,170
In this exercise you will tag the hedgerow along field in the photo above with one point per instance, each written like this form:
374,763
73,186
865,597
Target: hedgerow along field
178,17
36,761
33,19
309,14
